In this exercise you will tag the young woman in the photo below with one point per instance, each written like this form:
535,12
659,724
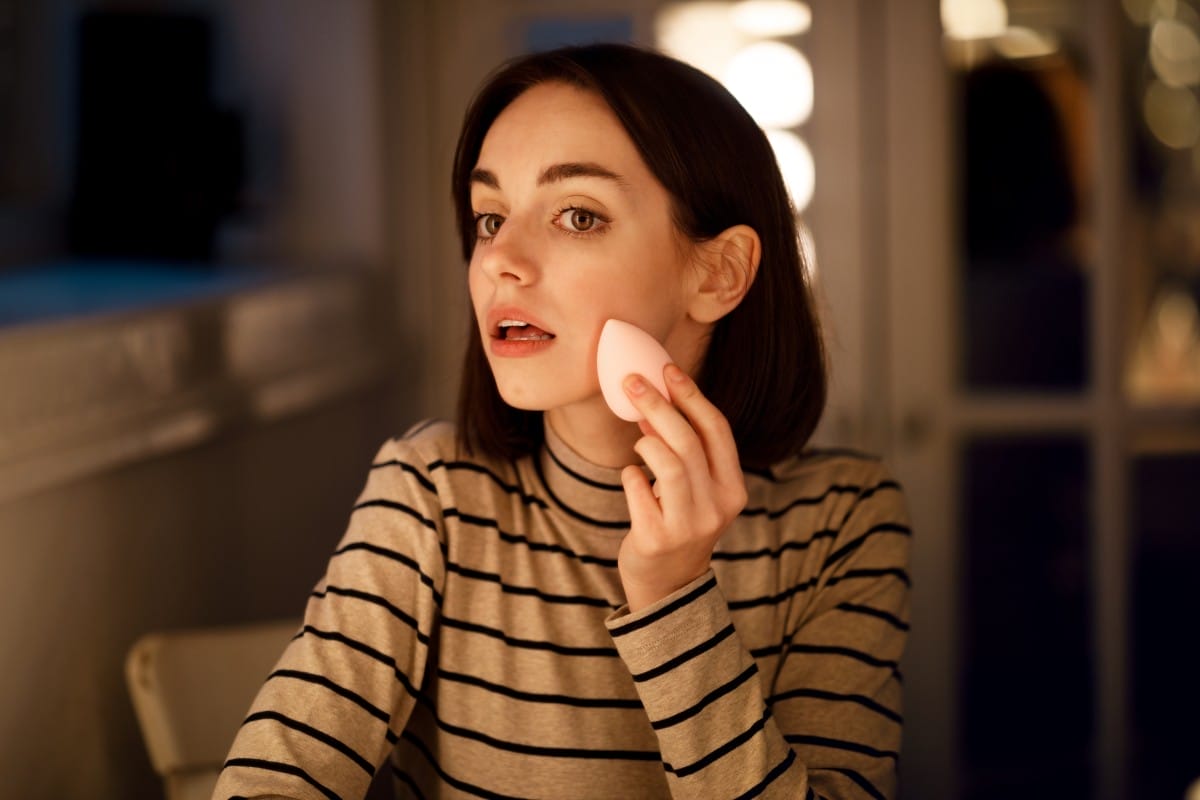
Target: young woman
545,601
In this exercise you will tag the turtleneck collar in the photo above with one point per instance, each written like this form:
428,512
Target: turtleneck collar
587,492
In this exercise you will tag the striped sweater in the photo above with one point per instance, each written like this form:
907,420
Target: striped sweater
471,625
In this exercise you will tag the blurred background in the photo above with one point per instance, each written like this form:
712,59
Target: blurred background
228,271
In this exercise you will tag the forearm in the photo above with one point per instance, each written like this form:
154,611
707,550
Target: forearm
702,692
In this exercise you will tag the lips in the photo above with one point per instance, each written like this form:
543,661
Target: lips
514,324
514,333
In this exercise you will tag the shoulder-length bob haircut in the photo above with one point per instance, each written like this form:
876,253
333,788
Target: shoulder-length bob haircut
765,363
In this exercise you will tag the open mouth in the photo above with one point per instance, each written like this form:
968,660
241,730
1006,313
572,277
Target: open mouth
512,330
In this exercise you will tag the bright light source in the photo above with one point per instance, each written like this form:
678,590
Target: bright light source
1166,364
698,33
1163,8
1138,11
796,163
1175,53
774,82
1172,115
1020,42
1146,12
772,17
974,19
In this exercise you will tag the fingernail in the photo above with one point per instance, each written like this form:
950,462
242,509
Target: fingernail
634,384
675,374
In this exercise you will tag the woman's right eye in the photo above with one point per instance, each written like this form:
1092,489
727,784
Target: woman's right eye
487,225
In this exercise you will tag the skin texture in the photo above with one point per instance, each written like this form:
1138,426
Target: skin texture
572,250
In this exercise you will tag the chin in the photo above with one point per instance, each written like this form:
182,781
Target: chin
524,398
524,405
529,396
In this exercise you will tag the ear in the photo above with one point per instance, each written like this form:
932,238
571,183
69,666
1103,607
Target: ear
726,269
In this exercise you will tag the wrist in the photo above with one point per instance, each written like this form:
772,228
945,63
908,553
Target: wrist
640,595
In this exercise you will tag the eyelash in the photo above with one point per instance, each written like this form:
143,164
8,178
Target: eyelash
599,228
600,218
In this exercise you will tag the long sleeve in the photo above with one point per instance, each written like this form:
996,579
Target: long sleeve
701,690
331,711
823,719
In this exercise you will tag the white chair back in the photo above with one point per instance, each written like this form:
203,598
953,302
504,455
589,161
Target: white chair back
191,689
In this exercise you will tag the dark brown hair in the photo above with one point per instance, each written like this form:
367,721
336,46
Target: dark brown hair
765,363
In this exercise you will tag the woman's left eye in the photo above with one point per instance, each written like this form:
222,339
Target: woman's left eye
580,220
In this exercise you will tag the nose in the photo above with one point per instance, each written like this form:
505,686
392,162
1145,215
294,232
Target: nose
508,257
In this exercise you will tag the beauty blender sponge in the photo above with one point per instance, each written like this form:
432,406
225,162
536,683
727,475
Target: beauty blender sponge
626,349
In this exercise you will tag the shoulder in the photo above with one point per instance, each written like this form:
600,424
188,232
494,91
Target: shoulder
429,440
831,493
416,451
823,471
431,451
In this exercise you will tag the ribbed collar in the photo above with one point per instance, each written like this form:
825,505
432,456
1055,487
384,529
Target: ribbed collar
587,492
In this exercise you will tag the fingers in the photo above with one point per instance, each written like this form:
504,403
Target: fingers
693,427
709,423
699,488
674,484
672,450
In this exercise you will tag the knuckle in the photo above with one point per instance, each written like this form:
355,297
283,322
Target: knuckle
711,520
719,423
671,470
691,448
689,390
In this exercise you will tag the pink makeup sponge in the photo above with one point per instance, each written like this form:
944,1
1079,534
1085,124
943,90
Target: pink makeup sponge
626,349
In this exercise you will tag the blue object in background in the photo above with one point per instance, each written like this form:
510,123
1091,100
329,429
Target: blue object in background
71,289
547,33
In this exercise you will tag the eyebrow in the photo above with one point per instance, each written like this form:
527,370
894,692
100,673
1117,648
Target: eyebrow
556,173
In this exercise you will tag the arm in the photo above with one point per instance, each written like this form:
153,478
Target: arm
837,697
829,725
718,731
329,714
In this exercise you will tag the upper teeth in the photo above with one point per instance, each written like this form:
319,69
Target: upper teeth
512,323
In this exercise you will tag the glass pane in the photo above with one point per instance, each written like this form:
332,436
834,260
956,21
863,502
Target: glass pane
1162,54
1022,128
1027,677
1166,611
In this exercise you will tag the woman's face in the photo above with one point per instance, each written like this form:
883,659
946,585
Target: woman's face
573,229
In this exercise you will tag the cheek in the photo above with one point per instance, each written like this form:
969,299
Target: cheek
652,297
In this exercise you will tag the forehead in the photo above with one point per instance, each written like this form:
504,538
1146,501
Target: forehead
556,123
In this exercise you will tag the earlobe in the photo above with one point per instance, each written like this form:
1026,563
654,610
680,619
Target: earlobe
729,263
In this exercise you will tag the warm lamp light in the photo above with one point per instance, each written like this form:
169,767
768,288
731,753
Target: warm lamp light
774,82
1018,42
698,33
772,17
796,163
1172,115
1175,53
974,19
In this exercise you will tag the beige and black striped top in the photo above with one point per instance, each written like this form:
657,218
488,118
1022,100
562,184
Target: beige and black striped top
471,626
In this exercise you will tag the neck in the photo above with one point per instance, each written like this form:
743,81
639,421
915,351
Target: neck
595,433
